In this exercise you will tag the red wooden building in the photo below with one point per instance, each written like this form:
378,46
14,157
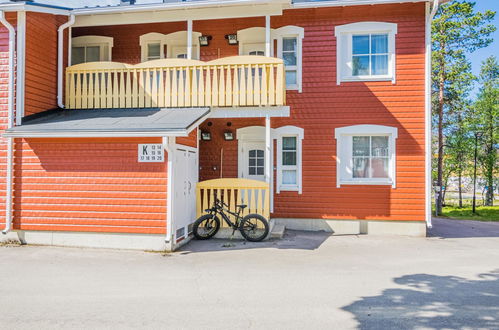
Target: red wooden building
112,114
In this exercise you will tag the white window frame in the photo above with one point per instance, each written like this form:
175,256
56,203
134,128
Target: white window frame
344,164
151,38
279,133
173,42
253,39
291,31
344,62
105,45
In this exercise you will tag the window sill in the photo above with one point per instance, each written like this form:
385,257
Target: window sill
374,78
288,188
366,182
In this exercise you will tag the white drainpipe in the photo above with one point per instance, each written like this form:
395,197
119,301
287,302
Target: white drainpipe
10,124
428,112
60,53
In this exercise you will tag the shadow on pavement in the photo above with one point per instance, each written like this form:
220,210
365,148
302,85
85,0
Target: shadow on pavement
448,228
432,302
298,240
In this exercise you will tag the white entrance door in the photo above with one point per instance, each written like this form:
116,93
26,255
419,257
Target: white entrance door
252,164
184,181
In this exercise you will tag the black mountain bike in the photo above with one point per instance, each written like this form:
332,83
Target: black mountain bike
253,227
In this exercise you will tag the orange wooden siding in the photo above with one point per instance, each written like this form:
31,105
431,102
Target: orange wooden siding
88,185
41,62
191,140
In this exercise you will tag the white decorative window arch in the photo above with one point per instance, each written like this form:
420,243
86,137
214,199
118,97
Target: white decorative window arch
365,155
91,48
365,52
289,158
289,47
153,45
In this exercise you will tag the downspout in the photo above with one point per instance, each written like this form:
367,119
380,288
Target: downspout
428,110
60,54
10,124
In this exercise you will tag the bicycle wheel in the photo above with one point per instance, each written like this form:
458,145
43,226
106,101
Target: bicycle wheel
206,226
254,227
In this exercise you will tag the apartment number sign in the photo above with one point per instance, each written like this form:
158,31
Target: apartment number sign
151,153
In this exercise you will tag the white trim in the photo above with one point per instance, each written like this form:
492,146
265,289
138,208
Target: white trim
345,3
189,40
289,131
151,38
343,150
21,65
250,112
105,45
292,31
173,41
268,40
254,39
428,110
344,33
35,8
55,134
170,147
60,54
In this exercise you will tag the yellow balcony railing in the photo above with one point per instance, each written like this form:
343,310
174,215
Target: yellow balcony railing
227,82
255,194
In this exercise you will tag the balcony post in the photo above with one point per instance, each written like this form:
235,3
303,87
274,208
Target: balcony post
267,36
189,39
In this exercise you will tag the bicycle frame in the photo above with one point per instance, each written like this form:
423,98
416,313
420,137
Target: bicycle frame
221,208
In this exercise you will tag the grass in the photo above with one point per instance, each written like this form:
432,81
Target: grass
484,213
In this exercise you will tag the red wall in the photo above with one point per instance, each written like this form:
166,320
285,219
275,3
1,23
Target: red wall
41,62
88,185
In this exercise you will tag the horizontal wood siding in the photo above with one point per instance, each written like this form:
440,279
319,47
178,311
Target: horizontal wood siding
324,106
41,62
191,140
88,185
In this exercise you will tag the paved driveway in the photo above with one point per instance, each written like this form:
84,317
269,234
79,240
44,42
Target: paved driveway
305,281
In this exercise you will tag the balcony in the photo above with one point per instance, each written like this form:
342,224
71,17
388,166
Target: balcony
238,81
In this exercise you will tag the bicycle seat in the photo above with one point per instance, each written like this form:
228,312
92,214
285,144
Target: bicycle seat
242,206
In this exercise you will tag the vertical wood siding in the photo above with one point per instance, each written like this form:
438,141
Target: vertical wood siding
87,184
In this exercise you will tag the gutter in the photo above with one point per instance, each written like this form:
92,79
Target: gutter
10,124
343,3
60,51
428,110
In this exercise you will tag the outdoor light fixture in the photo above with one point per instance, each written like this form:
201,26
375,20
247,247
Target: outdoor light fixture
206,136
232,38
228,136
204,40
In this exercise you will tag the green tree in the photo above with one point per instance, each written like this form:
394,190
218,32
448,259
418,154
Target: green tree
487,121
457,31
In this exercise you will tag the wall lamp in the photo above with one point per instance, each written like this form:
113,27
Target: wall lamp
206,136
204,40
228,136
231,38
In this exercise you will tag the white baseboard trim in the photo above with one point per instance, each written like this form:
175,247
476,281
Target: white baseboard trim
356,227
144,242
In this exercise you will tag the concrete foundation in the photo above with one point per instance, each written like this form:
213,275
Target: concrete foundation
356,227
94,240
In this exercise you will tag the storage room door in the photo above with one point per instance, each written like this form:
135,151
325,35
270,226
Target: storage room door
185,179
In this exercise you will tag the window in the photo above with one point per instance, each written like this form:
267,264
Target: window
290,57
90,49
173,45
366,51
256,162
289,48
366,155
289,146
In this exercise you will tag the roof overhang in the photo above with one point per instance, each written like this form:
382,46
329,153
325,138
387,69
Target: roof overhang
35,7
178,11
111,123
343,3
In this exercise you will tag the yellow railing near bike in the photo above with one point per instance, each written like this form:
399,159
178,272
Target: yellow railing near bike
255,194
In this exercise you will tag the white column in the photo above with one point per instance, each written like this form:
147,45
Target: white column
189,39
268,160
267,36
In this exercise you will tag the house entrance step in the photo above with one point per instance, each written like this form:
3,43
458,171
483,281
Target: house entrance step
277,231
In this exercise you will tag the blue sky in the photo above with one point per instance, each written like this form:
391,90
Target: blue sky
481,54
